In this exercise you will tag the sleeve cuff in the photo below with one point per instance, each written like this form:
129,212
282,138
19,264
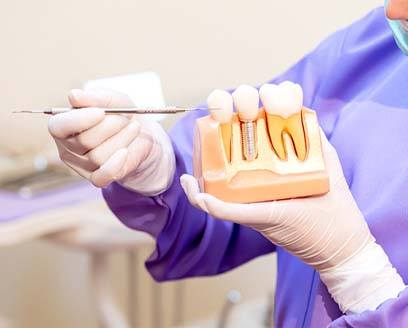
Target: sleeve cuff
144,213
364,282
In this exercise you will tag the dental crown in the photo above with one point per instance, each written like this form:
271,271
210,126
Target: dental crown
284,99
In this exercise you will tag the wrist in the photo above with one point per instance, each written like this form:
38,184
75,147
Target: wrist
364,281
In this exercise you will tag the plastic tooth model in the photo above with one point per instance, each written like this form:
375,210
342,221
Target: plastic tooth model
280,158
223,101
284,103
246,99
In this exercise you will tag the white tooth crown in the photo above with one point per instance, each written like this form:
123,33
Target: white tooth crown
284,99
246,100
223,100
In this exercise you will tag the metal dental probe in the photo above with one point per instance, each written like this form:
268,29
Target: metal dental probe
146,110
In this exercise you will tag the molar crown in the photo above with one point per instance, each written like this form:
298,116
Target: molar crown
284,99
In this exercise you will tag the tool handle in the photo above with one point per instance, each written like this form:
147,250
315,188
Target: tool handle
57,110
148,110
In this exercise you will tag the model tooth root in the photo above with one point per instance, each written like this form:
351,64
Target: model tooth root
226,136
276,126
284,106
296,130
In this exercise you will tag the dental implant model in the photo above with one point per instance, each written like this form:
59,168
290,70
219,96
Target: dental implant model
246,99
222,100
259,154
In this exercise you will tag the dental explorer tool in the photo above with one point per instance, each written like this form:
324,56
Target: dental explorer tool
145,110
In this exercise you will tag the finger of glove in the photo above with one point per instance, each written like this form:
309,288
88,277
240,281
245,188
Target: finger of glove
331,158
247,214
96,135
99,155
104,98
191,189
64,125
112,170
81,171
329,152
139,151
75,160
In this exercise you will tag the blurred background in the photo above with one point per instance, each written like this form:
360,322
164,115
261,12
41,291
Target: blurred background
51,46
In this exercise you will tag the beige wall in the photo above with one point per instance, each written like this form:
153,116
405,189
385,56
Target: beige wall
50,46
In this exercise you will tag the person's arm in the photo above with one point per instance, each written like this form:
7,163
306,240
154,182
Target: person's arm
394,311
189,242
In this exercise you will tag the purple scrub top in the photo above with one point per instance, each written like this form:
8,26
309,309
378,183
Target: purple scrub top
357,81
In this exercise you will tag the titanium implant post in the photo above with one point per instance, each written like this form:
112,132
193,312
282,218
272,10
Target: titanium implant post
248,133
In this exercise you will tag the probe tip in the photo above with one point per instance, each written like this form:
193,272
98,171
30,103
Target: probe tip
27,111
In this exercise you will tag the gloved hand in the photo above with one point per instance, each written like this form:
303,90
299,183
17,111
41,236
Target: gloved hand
132,150
327,232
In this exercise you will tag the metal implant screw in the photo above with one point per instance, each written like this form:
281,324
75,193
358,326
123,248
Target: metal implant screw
248,133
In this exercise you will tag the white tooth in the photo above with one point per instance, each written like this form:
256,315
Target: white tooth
284,99
246,100
269,94
223,100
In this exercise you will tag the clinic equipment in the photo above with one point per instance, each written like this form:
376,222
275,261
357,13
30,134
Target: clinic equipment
146,110
267,177
233,298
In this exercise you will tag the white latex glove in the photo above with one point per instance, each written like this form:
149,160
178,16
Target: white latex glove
327,232
129,149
